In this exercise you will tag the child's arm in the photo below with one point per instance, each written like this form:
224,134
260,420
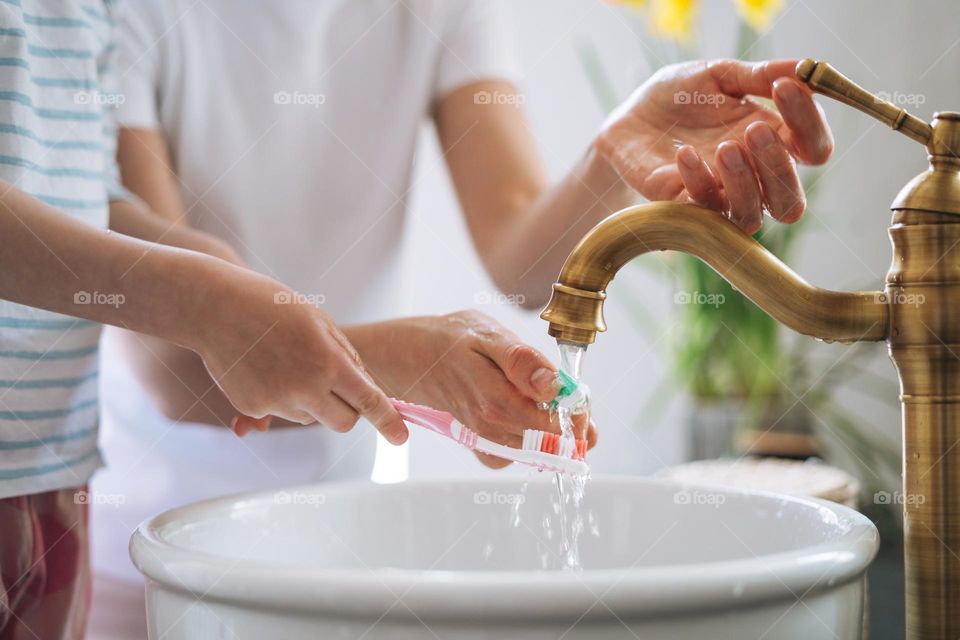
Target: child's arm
288,360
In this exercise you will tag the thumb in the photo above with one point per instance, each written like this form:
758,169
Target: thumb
527,369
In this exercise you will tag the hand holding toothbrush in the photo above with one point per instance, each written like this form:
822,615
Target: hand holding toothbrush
471,366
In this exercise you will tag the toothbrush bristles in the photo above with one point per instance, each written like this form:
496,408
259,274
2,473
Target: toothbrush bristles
554,444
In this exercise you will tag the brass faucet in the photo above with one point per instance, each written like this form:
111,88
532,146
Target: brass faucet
917,313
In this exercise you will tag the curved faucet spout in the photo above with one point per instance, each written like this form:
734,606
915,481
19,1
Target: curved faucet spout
575,311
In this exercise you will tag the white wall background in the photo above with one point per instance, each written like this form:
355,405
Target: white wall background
889,46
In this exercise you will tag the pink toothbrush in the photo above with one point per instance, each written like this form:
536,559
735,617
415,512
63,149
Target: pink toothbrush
545,451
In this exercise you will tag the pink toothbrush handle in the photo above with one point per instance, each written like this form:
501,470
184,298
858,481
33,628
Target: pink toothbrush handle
440,421
446,425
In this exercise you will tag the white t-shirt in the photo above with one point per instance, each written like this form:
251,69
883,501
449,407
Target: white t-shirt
293,126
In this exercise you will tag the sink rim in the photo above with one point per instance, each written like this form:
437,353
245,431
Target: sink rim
625,592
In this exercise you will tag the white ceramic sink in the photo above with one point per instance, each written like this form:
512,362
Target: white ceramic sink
444,560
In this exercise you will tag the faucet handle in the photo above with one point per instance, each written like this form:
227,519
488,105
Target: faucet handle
826,80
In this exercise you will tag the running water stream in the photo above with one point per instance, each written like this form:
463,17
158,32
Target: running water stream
570,488
568,519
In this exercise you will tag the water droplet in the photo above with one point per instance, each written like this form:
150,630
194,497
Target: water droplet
594,525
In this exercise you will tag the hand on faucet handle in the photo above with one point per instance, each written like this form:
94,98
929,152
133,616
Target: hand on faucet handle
692,133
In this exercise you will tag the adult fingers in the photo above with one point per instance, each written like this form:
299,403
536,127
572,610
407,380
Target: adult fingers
806,131
492,461
592,435
663,183
499,463
527,369
702,186
777,171
581,425
503,414
739,78
740,185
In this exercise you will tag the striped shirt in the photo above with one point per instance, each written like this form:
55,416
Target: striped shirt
57,143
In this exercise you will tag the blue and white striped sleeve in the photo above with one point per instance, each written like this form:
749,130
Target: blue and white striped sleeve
112,98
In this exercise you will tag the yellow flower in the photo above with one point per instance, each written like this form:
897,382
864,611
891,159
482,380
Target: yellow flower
633,4
673,18
759,14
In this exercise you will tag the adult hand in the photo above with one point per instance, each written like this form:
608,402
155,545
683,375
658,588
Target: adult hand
692,133
470,365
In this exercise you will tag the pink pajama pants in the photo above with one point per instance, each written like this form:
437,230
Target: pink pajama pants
44,566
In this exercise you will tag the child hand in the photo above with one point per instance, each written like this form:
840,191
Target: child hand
280,356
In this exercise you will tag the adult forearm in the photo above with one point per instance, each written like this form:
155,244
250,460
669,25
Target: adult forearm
175,379
522,229
538,240
134,219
